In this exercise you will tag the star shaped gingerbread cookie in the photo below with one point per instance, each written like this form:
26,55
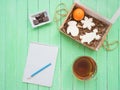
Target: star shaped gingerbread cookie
87,23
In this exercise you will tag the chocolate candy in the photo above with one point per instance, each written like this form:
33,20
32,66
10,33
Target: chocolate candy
45,19
42,17
36,22
39,19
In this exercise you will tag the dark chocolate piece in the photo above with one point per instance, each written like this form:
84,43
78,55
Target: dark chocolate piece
37,16
45,19
40,20
42,15
36,22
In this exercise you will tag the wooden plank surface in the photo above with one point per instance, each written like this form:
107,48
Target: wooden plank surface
102,54
22,40
17,32
112,58
2,48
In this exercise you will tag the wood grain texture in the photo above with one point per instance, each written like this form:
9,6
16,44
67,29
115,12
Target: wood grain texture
32,7
2,48
55,40
113,56
17,32
22,42
10,52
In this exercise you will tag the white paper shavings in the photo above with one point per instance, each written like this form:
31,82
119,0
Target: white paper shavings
72,28
87,23
88,37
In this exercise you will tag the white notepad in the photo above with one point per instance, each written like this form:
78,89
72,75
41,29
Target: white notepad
39,56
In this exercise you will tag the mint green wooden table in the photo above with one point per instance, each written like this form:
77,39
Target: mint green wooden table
16,33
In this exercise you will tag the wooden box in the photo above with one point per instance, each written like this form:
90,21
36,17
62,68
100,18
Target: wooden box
102,24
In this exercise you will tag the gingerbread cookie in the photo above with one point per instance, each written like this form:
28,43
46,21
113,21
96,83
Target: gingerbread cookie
87,23
72,28
89,37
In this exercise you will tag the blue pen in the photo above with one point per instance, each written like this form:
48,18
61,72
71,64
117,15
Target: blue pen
38,71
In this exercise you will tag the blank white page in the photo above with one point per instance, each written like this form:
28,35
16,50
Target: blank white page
40,55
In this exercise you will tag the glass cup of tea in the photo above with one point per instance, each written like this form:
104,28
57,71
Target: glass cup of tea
84,67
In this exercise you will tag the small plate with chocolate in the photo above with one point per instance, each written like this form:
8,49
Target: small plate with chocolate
39,19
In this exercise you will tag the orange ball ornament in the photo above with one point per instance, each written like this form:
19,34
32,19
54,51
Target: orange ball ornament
78,14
